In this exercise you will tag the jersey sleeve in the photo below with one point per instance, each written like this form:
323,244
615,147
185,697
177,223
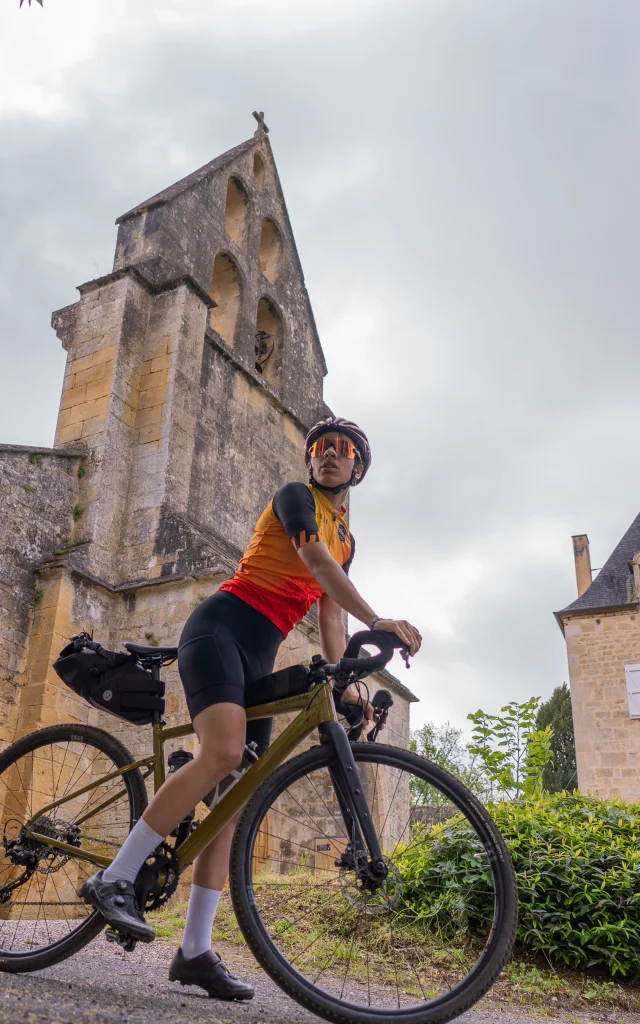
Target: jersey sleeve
347,564
294,506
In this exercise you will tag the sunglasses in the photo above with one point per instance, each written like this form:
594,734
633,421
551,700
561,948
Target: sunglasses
341,446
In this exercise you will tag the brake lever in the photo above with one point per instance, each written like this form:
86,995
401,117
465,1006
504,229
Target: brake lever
405,655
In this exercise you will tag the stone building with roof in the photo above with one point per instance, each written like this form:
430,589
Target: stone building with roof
194,370
602,632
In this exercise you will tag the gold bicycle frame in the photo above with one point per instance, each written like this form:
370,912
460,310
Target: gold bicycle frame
315,707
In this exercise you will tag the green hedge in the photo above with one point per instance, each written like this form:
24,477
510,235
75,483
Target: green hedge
577,861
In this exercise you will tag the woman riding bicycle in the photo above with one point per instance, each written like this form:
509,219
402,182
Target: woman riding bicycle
300,553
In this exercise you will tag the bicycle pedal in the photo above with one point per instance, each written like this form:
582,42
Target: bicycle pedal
126,941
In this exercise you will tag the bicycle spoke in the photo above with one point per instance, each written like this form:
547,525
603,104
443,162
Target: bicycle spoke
318,829
389,944
44,908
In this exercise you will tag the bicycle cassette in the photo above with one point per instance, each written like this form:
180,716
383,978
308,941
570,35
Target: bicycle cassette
158,878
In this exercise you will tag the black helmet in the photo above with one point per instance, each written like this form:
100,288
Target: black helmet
354,432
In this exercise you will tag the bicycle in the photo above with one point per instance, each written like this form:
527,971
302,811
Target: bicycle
322,867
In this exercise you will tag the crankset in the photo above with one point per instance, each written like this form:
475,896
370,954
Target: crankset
158,878
156,883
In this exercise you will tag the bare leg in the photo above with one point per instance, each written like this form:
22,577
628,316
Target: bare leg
221,732
211,866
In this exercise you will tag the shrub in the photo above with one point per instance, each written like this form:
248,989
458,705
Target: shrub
577,862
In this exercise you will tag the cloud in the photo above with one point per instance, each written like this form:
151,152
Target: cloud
461,181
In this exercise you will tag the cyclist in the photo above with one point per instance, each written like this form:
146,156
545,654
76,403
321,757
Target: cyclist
300,553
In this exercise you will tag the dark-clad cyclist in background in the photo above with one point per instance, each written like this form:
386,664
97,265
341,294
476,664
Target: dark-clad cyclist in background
300,553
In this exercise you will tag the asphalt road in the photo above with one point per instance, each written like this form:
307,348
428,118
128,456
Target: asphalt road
103,985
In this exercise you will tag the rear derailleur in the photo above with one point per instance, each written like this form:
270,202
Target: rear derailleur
32,855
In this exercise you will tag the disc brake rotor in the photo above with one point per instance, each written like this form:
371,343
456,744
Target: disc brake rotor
381,900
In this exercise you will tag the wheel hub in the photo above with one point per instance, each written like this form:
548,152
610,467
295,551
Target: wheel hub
369,892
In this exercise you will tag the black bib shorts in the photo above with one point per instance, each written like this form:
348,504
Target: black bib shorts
225,644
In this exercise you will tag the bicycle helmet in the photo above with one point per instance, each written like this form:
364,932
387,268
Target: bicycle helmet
355,433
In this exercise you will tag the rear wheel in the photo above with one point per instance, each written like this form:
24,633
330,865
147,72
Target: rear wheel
421,945
42,918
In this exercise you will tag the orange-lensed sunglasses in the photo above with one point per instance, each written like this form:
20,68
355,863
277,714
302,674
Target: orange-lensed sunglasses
341,446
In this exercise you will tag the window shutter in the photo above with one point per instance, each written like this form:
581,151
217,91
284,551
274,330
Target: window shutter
632,674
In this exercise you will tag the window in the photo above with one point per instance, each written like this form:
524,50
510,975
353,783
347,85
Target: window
632,674
235,211
258,171
268,338
270,250
226,292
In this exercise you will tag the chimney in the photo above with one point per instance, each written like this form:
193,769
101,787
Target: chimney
583,562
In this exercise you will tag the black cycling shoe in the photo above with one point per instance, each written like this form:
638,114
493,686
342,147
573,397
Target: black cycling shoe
117,903
208,971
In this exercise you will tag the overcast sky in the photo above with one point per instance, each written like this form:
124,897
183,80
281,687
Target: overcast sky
462,183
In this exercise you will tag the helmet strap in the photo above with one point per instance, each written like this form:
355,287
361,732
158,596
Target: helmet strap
333,490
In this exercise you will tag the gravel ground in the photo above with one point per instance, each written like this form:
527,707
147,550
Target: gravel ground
103,985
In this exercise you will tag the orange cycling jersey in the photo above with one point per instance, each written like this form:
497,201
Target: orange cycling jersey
271,576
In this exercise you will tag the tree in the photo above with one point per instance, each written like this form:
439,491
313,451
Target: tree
443,744
512,752
560,773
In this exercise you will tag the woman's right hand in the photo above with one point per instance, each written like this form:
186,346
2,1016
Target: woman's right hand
403,630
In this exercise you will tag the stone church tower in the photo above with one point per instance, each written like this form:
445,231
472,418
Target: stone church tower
193,372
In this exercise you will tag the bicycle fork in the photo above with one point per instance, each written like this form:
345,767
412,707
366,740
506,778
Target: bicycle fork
353,805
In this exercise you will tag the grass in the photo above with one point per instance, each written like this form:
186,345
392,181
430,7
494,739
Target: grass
169,922
292,913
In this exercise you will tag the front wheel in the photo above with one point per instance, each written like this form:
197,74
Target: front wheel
420,945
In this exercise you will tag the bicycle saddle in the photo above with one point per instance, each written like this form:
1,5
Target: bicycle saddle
147,652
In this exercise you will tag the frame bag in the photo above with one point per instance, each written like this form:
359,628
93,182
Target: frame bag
110,681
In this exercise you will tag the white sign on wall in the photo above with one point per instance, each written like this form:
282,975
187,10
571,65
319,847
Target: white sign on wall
632,675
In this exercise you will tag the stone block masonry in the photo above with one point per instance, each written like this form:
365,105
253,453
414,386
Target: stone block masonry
607,739
40,489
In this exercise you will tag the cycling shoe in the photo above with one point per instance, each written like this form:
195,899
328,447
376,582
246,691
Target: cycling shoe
117,903
208,971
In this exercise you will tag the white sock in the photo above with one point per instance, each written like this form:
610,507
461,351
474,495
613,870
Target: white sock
140,842
201,913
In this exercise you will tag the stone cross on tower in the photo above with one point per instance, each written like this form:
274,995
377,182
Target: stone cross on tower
262,128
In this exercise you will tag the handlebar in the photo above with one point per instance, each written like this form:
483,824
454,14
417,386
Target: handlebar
352,667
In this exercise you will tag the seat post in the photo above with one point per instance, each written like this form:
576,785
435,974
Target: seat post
155,675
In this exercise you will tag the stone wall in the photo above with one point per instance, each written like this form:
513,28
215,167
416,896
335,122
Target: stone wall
607,739
39,490
182,232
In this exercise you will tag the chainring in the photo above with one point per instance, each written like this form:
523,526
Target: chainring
158,878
